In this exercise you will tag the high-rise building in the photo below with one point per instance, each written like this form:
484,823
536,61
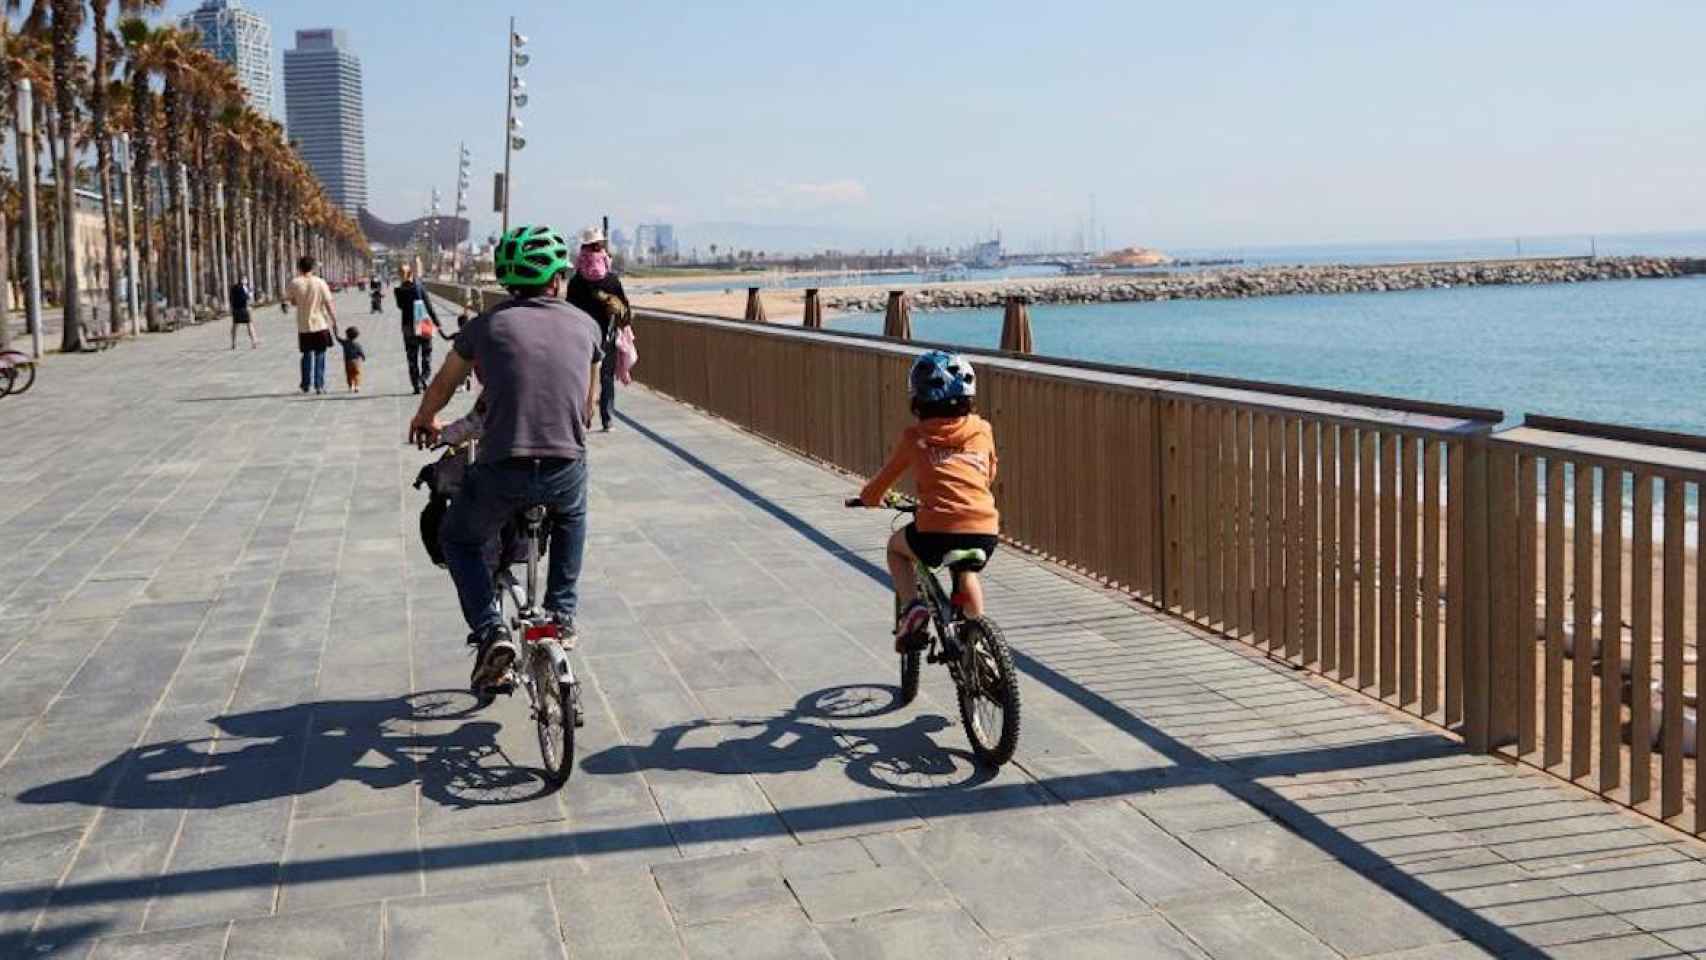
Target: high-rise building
655,242
323,114
242,38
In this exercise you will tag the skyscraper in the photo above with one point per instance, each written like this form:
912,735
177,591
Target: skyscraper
240,37
323,114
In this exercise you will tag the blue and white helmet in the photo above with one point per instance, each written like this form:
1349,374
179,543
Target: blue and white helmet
939,376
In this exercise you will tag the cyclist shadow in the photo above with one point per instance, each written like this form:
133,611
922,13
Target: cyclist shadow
833,726
302,749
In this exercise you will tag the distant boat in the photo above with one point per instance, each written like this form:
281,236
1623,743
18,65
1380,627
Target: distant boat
945,274
986,255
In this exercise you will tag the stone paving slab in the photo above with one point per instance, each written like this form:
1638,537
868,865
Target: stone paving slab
232,725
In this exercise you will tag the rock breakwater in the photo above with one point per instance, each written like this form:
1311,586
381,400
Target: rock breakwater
1240,283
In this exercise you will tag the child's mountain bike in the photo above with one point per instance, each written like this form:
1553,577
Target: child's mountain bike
974,651
542,671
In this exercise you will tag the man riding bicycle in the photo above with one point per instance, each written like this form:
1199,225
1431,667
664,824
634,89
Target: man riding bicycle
538,358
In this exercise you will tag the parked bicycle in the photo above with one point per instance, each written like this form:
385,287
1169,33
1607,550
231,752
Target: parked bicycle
974,651
542,672
17,372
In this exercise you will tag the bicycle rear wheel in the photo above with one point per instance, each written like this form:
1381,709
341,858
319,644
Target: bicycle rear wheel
988,692
553,711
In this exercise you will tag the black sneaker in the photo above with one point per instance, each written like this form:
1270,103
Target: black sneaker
496,651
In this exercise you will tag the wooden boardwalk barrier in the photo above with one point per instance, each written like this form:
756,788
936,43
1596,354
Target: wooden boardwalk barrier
1600,609
755,307
812,319
897,320
1536,591
1016,326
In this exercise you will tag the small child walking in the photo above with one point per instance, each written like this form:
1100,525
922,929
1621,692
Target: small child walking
354,357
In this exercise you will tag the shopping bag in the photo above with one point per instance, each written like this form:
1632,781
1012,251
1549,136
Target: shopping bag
627,354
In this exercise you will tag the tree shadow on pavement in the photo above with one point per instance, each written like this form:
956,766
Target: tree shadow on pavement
304,748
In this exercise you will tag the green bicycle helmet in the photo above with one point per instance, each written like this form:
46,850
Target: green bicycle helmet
530,256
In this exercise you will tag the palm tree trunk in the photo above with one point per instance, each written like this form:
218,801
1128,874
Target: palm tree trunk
98,93
64,53
141,161
5,283
48,222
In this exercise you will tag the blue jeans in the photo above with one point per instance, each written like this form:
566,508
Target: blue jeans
491,494
313,369
607,390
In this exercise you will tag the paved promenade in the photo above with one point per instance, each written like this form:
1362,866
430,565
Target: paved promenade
232,725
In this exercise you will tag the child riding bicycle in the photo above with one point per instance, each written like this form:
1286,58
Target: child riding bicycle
951,453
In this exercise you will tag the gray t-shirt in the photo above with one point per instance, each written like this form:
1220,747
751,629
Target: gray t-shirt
535,358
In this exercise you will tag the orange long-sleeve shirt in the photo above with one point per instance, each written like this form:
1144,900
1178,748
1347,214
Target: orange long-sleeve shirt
953,465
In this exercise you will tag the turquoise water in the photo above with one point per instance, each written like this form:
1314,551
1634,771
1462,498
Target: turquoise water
1629,352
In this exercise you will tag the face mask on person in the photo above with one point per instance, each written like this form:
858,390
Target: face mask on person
592,264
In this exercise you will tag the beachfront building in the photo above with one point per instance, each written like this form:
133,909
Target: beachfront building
323,114
655,243
241,37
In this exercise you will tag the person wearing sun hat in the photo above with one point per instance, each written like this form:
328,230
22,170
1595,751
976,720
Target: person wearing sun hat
597,289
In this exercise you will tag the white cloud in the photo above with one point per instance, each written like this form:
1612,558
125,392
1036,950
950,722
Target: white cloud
588,184
804,196
833,193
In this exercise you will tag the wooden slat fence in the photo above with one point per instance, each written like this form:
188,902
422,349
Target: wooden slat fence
1603,615
1403,549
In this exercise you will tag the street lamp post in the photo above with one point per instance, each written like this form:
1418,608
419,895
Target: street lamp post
462,160
219,238
129,238
513,98
27,181
189,290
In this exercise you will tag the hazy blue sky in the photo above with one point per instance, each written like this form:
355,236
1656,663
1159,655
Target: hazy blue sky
1228,123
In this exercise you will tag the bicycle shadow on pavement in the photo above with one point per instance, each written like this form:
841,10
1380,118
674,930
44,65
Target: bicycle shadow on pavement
832,726
304,748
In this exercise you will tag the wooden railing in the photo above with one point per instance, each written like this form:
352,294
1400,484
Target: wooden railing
1598,609
1400,548
1252,510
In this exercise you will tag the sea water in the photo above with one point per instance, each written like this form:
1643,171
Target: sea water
1618,351
1629,352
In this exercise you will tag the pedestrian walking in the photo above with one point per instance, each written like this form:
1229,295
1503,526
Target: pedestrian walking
315,316
597,290
241,297
462,317
420,325
354,357
376,293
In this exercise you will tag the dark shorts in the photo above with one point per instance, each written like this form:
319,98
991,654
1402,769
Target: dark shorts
932,547
240,317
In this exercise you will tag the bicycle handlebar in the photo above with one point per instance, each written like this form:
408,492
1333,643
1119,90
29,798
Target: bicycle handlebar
854,503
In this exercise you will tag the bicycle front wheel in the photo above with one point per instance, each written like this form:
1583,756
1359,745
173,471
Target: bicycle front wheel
24,377
553,711
910,664
988,692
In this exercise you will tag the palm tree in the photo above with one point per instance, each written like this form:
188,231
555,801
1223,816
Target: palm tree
67,19
98,92
141,58
6,10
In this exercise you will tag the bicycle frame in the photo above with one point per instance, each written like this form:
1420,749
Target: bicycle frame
942,610
534,626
